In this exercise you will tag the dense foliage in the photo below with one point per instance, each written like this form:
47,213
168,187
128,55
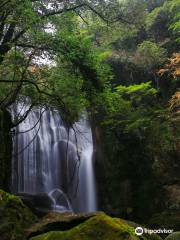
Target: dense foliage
119,60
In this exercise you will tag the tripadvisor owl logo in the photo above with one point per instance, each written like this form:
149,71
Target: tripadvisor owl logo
139,231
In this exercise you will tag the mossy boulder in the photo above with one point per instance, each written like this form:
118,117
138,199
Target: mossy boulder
54,221
152,236
14,217
97,226
174,236
39,203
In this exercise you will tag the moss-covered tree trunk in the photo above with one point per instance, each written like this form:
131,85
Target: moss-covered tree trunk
5,149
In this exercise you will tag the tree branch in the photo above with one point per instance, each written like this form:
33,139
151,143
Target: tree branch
23,117
18,35
29,45
57,98
52,13
30,129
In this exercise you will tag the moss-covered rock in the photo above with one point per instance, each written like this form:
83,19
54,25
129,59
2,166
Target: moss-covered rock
174,236
58,222
14,217
97,226
16,224
152,236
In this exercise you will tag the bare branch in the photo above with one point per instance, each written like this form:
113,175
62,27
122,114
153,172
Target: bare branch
23,117
30,129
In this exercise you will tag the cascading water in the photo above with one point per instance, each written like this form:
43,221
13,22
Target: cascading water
49,158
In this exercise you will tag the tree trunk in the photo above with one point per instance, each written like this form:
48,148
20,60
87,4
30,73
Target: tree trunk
5,150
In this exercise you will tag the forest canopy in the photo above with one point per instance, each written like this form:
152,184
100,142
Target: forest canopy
64,53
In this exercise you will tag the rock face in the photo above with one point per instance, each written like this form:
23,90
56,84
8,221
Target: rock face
40,204
14,217
173,196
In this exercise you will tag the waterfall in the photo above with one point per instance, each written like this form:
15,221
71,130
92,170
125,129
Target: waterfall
50,158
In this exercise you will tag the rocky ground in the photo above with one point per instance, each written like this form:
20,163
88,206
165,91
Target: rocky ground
17,222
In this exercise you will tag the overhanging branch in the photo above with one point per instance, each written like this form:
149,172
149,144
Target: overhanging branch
56,12
56,97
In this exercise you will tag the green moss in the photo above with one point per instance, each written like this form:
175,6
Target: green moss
58,222
14,217
174,236
98,227
148,236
